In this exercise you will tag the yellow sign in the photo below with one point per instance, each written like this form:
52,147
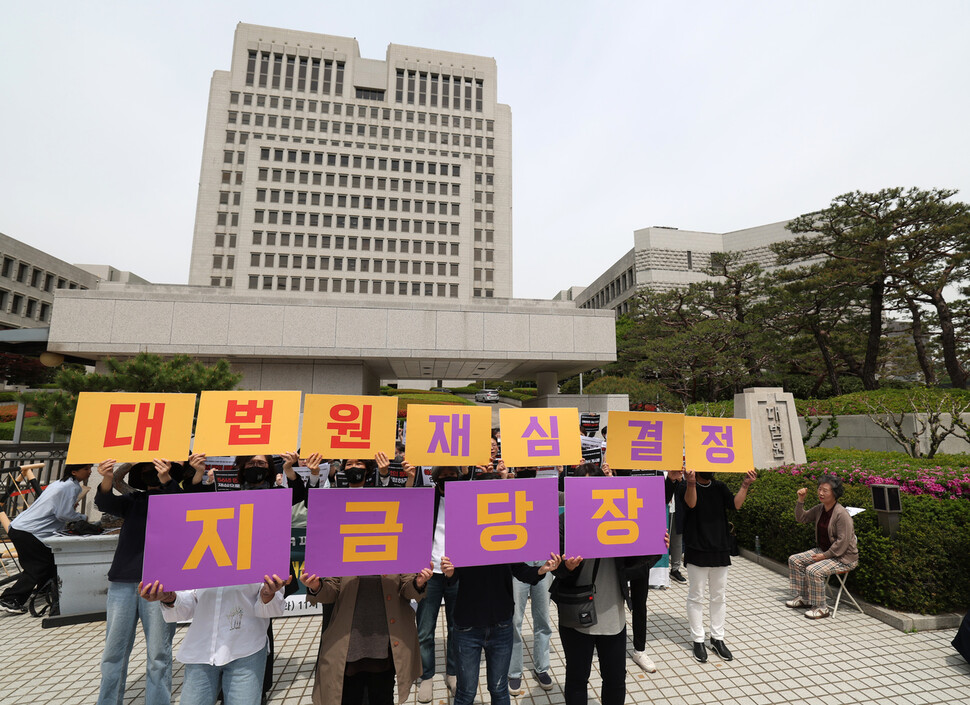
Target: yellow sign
642,440
131,427
717,444
247,423
340,426
540,437
448,435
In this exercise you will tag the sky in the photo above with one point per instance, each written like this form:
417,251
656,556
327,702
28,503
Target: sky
711,116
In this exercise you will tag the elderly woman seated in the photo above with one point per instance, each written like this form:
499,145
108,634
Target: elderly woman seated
835,550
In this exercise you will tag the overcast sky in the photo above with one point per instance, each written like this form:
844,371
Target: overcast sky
709,116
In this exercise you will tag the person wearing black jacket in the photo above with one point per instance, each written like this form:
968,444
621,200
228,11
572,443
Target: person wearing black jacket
608,634
124,608
483,621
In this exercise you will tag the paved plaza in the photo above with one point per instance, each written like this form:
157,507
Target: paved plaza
780,657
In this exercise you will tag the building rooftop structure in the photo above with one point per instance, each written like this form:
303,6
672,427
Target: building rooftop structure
333,176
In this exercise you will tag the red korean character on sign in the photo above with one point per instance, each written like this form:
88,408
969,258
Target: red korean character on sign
238,413
349,422
148,422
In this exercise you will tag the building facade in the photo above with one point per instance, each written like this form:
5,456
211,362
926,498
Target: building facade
28,280
666,258
334,175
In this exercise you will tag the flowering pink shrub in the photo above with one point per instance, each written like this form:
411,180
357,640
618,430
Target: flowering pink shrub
942,482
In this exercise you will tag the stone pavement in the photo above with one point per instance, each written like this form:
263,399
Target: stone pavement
780,657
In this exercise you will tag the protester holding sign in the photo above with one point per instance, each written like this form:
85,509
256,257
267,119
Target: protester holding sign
483,619
124,609
227,642
438,587
45,517
708,546
372,637
591,595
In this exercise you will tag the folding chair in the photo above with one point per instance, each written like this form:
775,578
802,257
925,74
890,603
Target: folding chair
841,576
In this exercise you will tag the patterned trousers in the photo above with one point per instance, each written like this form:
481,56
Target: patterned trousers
807,577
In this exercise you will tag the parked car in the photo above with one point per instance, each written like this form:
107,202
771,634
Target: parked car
487,395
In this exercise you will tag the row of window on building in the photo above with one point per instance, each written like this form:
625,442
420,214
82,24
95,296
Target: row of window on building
357,161
288,72
370,131
380,203
24,273
24,306
339,264
615,288
365,112
351,222
429,88
352,242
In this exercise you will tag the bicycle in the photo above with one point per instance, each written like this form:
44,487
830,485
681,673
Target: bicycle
45,600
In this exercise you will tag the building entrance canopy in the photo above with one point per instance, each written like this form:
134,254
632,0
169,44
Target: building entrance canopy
433,339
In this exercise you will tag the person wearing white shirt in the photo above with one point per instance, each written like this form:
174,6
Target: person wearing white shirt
44,518
226,644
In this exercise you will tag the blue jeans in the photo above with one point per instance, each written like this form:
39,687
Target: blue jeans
124,609
541,628
497,644
241,681
427,618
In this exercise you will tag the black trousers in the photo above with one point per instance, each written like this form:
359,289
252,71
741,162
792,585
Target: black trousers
378,688
578,650
36,562
639,587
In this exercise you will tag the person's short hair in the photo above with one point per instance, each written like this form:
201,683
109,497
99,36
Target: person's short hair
438,469
71,468
370,465
835,483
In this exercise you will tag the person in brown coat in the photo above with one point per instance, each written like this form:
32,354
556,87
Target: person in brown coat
372,637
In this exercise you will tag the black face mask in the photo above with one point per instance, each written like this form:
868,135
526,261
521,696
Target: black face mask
355,475
440,483
255,475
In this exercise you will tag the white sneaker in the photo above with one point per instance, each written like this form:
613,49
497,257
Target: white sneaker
798,602
424,691
451,682
641,659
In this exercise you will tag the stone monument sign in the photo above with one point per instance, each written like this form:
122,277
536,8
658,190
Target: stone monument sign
775,436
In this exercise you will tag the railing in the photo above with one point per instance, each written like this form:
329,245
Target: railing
14,455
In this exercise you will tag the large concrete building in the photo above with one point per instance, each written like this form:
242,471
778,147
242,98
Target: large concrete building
28,279
664,258
338,176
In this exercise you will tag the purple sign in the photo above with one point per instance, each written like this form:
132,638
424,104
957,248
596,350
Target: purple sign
211,539
369,530
502,521
615,516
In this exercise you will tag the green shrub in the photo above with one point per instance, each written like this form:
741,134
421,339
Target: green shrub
925,568
711,408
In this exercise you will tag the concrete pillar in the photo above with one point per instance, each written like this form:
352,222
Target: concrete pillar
548,383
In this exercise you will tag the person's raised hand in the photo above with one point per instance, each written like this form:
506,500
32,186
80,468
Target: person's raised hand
313,463
551,564
106,468
422,578
312,582
572,563
667,539
164,469
749,478
802,493
197,461
446,567
272,585
675,475
607,470
155,592
691,478
290,459
383,462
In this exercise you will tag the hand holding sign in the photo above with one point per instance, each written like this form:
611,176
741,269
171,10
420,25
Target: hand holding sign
446,567
271,586
551,564
422,578
155,592
312,582
572,563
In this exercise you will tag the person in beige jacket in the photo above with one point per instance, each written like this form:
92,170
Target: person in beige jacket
835,551
372,637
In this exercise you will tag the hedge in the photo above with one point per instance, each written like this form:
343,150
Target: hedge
924,568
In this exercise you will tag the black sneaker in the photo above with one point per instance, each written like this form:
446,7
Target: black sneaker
700,651
515,686
545,682
678,576
10,605
721,648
